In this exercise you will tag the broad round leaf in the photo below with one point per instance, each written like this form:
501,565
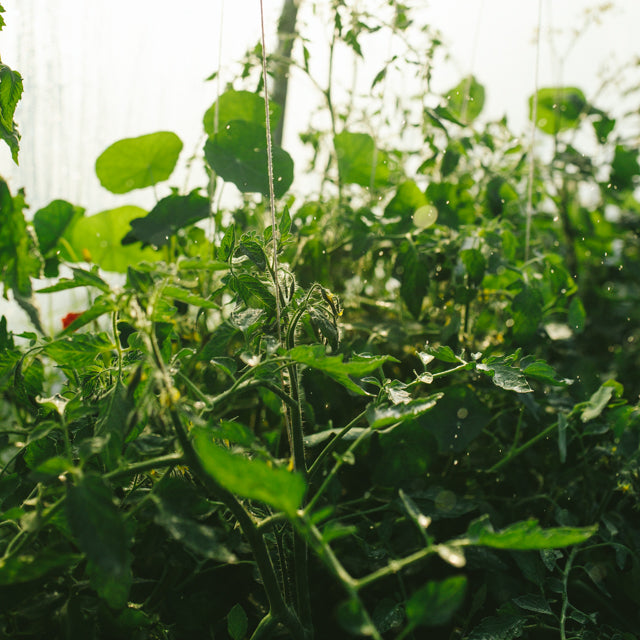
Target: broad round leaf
466,100
240,105
359,162
238,154
100,236
558,109
136,163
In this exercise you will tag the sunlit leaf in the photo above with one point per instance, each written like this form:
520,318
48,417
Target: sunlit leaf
558,109
99,238
504,374
359,162
527,535
465,101
136,163
384,416
315,357
240,105
248,478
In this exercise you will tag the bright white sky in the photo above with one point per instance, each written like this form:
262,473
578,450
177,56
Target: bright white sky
101,70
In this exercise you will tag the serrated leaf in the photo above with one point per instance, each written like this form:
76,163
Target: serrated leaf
505,627
533,602
80,350
314,356
101,534
434,604
254,479
527,535
136,163
184,295
541,370
252,250
81,278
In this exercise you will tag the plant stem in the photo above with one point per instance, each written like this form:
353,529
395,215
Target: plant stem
516,452
169,460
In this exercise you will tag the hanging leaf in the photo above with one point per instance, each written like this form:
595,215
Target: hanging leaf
380,417
136,163
238,154
413,275
558,109
466,100
359,162
165,219
51,222
100,532
254,479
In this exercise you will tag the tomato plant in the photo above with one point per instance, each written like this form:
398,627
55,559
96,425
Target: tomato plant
392,404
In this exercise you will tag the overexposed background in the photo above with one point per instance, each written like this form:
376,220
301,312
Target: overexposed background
101,70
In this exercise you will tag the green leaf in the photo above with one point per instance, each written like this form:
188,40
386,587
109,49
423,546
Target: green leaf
434,604
533,602
11,88
559,109
504,375
359,162
254,251
100,532
407,199
240,105
541,370
184,295
353,618
177,507
314,356
526,535
443,353
597,403
414,277
237,622
475,265
238,154
526,309
101,234
577,315
26,567
136,163
504,627
228,243
254,479
79,350
465,101
81,278
624,168
253,291
380,417
51,222
165,219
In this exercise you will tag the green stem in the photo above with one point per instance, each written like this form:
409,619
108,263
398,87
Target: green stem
169,460
565,596
514,453
331,446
